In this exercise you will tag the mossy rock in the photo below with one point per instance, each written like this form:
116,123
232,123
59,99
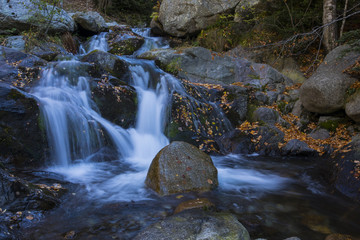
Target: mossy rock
181,167
107,63
124,42
330,123
126,47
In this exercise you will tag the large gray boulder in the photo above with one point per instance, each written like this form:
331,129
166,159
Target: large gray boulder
198,64
352,107
183,17
20,15
325,91
91,22
196,225
181,167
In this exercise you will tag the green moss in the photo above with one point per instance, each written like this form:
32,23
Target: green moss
41,125
351,93
330,125
15,94
253,76
174,66
125,47
250,112
173,129
282,107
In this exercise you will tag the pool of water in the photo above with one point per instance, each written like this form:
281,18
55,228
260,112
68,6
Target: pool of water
273,198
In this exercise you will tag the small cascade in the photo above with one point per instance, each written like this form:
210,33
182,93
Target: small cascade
148,136
96,42
78,133
75,128
82,139
150,42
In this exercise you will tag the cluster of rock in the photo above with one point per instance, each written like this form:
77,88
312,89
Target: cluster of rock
23,140
220,93
327,91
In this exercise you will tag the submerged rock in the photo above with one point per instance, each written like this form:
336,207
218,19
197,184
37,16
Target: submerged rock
196,225
19,195
181,167
338,236
194,203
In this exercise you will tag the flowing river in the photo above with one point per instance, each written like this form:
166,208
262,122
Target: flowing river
107,199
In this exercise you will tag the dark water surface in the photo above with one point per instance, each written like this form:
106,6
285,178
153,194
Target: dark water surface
273,198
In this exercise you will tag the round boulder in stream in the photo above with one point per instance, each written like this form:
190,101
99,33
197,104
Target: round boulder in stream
181,167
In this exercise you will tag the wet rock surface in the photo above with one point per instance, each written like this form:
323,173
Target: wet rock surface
181,167
22,137
196,224
202,203
123,41
47,50
116,103
107,63
346,172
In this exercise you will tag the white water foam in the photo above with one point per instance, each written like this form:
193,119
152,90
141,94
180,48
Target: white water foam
76,131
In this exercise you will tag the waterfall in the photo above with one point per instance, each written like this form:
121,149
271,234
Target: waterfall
78,133
110,161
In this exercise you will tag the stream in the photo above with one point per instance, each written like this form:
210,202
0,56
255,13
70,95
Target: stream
275,198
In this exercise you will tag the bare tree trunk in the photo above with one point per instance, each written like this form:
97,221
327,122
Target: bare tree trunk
344,18
330,29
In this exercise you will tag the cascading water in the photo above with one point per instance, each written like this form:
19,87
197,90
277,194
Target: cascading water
112,162
76,130
78,133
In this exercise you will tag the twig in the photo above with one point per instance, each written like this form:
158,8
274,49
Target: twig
344,20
